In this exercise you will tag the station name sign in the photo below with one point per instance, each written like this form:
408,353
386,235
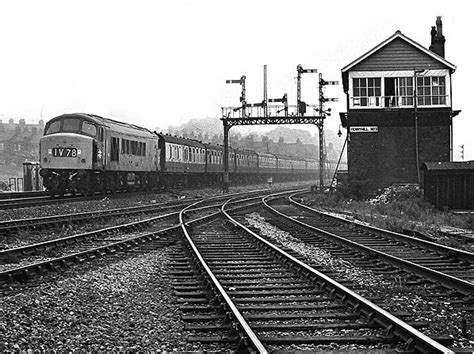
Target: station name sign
364,129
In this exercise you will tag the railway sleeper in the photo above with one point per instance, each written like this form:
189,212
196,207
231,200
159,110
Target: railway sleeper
200,308
214,339
361,340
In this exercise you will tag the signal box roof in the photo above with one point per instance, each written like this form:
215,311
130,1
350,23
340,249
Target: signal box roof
390,39
397,52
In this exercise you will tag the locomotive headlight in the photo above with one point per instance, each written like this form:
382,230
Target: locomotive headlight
50,151
99,154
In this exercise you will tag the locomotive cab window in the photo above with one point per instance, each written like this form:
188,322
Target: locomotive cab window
89,129
71,125
53,127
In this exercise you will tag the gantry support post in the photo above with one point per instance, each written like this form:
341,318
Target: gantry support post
322,158
225,184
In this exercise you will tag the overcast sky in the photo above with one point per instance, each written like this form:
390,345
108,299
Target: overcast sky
156,63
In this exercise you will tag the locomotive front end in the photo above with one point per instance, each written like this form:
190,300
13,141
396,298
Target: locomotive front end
66,152
69,154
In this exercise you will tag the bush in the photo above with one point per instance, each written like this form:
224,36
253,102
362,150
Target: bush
4,186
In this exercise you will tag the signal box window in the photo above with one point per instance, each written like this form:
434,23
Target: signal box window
367,91
431,90
405,90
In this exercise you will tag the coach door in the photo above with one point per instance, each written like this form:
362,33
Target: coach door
157,155
114,150
100,151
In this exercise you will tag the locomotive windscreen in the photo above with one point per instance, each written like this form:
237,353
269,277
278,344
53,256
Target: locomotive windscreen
71,125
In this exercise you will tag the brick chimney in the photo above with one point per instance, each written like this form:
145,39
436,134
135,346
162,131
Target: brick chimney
437,38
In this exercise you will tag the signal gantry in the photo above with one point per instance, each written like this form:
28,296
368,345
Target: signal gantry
262,113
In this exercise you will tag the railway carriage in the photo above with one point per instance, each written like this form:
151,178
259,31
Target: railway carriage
267,163
312,166
299,169
183,161
299,165
246,166
285,167
214,163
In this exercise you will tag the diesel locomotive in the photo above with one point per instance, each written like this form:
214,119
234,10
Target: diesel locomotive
86,153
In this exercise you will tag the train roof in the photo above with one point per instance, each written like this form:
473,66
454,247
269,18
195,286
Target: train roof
114,125
182,141
245,152
286,157
214,146
448,166
265,154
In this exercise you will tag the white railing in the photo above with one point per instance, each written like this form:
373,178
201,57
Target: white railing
399,101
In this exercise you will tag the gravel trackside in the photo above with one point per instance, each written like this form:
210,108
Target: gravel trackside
127,305
444,317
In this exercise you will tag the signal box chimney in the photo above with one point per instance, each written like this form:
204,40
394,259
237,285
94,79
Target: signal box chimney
437,38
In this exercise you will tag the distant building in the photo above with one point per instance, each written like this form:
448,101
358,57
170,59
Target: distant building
19,142
399,116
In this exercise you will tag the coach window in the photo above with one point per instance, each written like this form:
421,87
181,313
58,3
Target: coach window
114,149
89,129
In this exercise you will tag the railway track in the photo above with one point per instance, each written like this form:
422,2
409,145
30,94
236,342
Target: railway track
240,292
12,227
40,199
444,265
19,195
9,228
299,325
21,263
